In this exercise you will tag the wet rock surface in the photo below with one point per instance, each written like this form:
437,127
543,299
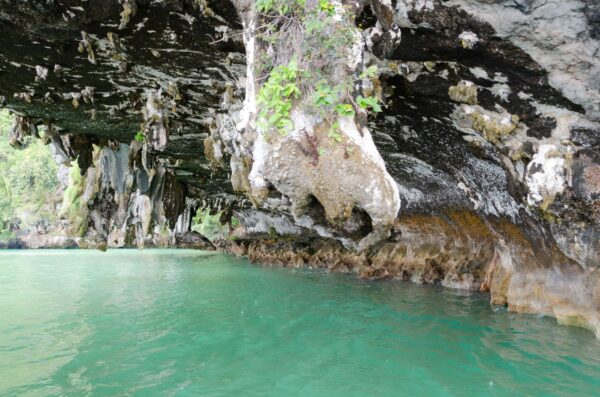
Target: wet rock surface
489,130
192,240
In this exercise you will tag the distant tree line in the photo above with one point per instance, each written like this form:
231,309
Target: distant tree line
28,184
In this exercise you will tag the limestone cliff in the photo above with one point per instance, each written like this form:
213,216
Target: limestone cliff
482,171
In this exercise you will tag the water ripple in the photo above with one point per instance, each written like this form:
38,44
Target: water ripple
184,323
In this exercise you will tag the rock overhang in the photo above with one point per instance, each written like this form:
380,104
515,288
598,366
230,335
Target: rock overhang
190,55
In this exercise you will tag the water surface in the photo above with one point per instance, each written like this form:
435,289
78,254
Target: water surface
185,323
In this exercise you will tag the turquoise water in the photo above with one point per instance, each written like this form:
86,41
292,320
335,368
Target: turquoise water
184,323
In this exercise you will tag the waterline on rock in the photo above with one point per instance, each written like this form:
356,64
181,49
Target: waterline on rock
177,322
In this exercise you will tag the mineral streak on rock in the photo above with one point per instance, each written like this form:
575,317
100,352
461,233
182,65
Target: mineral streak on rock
465,92
306,165
129,10
482,172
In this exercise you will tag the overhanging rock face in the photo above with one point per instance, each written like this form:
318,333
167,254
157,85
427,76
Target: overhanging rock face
489,137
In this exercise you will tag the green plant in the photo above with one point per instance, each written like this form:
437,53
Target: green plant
370,72
5,235
73,208
28,181
209,225
334,132
327,7
309,44
140,137
344,109
281,7
273,233
368,103
276,97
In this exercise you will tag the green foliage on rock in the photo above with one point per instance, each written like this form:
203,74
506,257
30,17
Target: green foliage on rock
28,181
368,103
276,97
72,206
140,137
209,225
308,44
281,7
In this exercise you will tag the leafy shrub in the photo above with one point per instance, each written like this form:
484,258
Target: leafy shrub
72,206
140,137
276,97
28,181
308,46
209,225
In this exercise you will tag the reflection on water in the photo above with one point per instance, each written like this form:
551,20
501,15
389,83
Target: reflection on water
187,323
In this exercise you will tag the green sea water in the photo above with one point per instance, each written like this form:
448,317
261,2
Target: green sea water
185,323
